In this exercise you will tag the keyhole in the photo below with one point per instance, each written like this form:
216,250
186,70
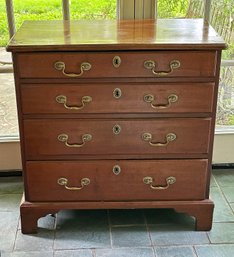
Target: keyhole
117,93
116,169
116,61
116,129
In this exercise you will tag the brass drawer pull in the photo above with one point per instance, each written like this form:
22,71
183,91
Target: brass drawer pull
60,66
62,99
170,99
150,181
64,181
64,138
169,138
151,65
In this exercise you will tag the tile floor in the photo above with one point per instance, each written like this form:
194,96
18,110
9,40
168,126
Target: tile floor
119,233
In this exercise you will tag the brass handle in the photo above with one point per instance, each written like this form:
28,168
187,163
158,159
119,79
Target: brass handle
60,66
62,99
64,138
170,99
169,138
151,65
150,181
64,182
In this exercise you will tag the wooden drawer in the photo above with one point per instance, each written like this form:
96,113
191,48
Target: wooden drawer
133,181
132,64
117,98
105,137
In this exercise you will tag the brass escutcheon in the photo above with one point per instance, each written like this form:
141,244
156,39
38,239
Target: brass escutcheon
116,129
117,93
116,169
116,61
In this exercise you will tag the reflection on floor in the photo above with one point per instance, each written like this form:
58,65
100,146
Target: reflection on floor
119,233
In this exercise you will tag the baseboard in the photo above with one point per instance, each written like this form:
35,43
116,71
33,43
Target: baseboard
10,173
217,166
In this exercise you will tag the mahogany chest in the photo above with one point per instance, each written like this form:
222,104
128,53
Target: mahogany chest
116,114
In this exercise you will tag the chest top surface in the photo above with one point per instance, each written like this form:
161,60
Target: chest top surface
86,35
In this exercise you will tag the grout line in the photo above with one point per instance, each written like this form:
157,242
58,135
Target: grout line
93,252
110,228
128,225
216,183
225,199
207,234
223,196
54,231
16,233
194,251
147,228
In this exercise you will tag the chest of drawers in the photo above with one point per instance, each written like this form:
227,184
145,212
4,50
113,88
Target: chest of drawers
116,115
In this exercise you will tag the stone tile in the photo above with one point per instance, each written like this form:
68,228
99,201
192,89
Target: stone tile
28,254
229,193
11,185
173,234
8,228
180,251
169,216
82,229
130,236
10,202
222,211
222,233
126,217
42,241
215,250
74,253
224,177
125,252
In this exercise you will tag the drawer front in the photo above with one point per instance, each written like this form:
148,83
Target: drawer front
131,64
105,137
119,98
116,180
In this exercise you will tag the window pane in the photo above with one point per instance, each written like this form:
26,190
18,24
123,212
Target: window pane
8,113
172,9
